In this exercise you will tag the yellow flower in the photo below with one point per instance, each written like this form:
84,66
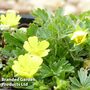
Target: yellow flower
79,37
27,65
10,19
35,47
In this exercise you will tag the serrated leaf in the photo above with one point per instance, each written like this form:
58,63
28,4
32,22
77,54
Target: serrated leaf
40,16
20,35
75,82
16,52
11,40
82,76
61,67
46,71
84,83
31,31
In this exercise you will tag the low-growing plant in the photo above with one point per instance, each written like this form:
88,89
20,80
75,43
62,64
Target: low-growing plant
53,53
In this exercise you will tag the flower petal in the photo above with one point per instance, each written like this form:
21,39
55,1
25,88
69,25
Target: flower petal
27,65
33,41
26,46
43,44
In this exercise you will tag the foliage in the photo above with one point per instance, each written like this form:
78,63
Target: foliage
68,40
84,81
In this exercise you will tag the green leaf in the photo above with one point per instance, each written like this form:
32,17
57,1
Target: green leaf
12,40
82,76
75,82
43,33
61,66
20,35
7,50
31,31
14,44
61,84
10,62
18,51
84,80
45,71
41,16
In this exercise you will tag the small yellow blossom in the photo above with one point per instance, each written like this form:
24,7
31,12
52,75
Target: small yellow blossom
36,47
10,19
27,65
79,37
